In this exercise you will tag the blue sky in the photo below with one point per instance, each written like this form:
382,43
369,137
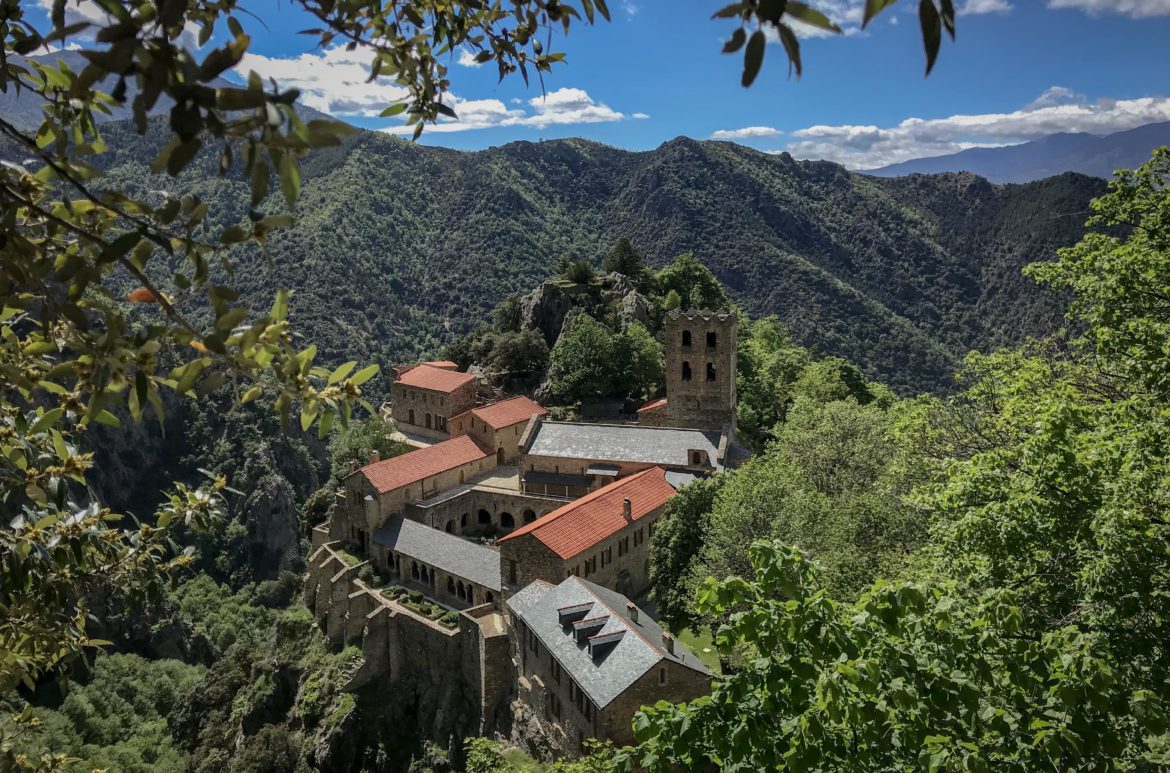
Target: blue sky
1020,69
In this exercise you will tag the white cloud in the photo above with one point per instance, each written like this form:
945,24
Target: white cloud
1057,110
631,9
976,7
467,59
640,116
77,11
1138,9
562,107
746,132
335,81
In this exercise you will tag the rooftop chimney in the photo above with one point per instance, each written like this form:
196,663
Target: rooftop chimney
375,457
627,509
631,611
668,642
352,466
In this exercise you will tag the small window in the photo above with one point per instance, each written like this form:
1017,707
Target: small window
711,338
686,371
710,371
686,338
662,676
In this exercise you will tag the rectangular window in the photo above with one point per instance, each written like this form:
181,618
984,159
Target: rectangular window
588,710
556,671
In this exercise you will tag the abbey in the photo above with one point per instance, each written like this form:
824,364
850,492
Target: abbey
529,537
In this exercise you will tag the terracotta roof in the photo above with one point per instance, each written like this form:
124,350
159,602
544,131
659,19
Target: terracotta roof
505,413
443,364
435,379
580,525
411,467
653,404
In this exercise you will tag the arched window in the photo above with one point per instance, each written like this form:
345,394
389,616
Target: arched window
451,526
686,338
414,573
507,521
462,592
428,420
499,455
463,521
711,338
484,516
490,597
410,417
451,586
529,516
710,371
686,371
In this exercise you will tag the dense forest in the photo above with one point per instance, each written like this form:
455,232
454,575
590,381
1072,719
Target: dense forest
399,248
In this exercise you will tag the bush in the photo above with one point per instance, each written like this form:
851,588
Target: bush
451,619
415,596
580,271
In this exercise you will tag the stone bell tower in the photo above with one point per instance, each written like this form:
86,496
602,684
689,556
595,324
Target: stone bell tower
700,348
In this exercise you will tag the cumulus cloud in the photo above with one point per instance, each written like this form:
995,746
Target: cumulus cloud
79,11
467,59
565,106
747,132
976,7
334,81
1057,110
1138,9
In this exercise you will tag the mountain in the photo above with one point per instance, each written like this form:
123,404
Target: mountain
399,247
1052,155
23,109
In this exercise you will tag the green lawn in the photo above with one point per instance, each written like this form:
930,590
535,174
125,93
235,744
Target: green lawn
702,645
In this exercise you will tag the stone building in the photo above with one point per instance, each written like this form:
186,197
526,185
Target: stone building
603,536
449,569
570,459
423,398
382,489
700,349
499,425
587,658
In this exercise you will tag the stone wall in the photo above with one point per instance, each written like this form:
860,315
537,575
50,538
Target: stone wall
682,684
442,407
694,400
461,514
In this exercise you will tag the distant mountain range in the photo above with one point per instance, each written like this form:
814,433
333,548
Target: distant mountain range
1048,156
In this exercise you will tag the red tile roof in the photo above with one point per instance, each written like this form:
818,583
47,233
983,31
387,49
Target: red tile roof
505,413
653,404
411,467
434,379
580,525
444,364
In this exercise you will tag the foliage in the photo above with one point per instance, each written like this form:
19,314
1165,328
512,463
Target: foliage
625,259
358,441
483,756
908,677
768,364
580,272
519,358
114,717
674,546
832,379
581,363
637,363
695,285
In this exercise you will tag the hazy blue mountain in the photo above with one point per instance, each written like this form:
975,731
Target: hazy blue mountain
1045,157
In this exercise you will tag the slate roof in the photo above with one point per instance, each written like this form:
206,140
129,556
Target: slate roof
441,550
606,675
434,379
398,471
666,446
583,523
505,413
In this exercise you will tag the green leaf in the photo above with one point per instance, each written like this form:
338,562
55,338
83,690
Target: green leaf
290,178
792,48
342,371
812,17
735,42
364,375
728,11
753,58
45,420
873,8
931,23
182,154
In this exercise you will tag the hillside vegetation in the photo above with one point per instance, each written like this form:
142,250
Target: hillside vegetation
400,248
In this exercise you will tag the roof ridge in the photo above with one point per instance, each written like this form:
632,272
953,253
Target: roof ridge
569,507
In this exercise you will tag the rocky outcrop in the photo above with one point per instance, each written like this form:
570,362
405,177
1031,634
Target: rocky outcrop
635,308
544,309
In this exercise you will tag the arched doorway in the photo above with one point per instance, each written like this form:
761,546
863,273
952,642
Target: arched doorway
463,521
410,417
507,521
451,526
414,573
529,515
451,586
499,456
485,517
428,420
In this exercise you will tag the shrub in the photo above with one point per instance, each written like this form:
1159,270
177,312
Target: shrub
580,271
450,619
415,596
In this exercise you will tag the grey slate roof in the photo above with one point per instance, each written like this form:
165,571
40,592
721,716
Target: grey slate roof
664,446
679,479
441,550
606,677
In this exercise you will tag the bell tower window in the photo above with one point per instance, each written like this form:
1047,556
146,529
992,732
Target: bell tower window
686,338
686,371
711,338
710,371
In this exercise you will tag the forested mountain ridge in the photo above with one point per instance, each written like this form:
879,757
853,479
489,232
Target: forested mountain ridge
399,247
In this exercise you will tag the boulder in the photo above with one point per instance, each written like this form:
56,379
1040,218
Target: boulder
635,308
545,309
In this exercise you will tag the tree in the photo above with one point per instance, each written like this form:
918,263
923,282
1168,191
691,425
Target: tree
506,315
769,363
579,272
358,441
624,259
674,547
637,362
832,379
696,286
910,677
580,364
521,358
